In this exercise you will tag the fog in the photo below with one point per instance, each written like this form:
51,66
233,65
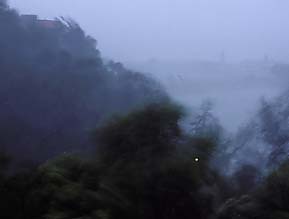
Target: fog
181,38
184,29
234,89
144,109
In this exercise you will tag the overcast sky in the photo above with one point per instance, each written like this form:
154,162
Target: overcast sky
176,29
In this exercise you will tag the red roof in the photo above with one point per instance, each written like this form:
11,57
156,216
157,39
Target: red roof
49,23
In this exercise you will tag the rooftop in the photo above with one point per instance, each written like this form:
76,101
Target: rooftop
31,19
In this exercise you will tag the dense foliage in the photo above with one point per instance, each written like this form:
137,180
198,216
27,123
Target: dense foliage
55,87
270,201
144,167
56,95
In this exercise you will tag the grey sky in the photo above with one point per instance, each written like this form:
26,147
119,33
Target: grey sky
177,29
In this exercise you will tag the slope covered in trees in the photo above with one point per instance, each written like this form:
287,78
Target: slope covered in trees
55,87
57,96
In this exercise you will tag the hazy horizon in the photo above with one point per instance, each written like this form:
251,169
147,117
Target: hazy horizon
176,30
174,33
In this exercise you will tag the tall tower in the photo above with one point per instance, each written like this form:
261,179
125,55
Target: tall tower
222,57
266,59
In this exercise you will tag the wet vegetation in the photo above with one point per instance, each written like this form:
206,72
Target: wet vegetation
84,138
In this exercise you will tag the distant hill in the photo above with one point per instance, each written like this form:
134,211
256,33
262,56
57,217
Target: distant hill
55,87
